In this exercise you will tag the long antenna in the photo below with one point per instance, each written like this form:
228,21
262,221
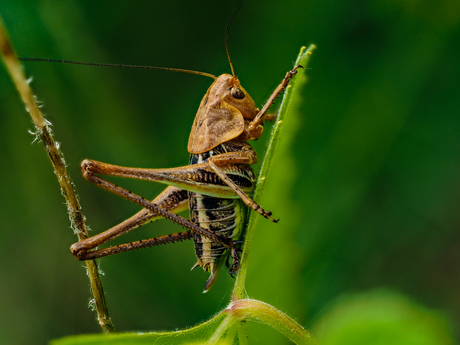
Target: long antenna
226,39
117,65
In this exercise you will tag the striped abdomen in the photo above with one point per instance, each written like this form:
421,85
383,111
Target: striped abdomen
222,216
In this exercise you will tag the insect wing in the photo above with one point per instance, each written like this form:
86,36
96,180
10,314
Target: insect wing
215,123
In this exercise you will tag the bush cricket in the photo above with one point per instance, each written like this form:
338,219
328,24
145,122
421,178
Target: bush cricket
214,186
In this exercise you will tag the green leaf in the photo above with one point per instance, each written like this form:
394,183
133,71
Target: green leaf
194,335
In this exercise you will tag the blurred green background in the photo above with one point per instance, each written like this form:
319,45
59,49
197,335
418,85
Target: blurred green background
369,198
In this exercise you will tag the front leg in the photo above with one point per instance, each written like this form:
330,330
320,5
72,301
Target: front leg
254,129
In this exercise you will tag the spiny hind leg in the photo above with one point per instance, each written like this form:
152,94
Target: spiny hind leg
172,199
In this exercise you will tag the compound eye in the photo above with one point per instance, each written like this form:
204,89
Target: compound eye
237,93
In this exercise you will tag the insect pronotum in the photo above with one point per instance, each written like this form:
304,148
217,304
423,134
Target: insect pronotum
215,186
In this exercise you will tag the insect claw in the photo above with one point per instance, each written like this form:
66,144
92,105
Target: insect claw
273,219
270,218
266,214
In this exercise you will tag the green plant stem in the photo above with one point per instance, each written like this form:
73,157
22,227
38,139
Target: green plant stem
67,189
250,309
302,60
245,309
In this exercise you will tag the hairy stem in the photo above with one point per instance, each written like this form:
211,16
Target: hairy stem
67,189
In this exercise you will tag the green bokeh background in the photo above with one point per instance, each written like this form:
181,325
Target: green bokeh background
369,198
